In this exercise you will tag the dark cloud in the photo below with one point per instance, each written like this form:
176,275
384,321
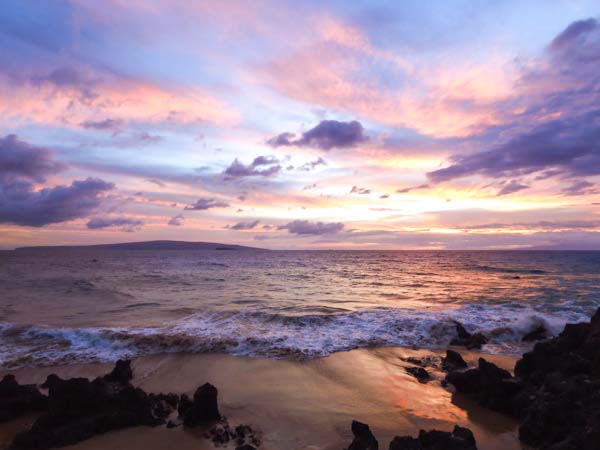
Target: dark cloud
124,223
20,204
359,190
384,196
304,227
263,166
571,145
511,187
106,124
572,33
245,225
326,135
311,165
309,187
207,203
22,165
580,188
176,220
156,181
20,160
558,132
68,78
412,188
541,224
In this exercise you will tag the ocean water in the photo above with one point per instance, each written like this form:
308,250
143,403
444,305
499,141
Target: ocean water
75,306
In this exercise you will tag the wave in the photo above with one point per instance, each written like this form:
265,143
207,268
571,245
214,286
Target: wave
268,333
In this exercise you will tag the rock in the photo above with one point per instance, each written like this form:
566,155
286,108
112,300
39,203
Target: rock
204,407
490,385
363,438
466,339
79,409
537,334
245,447
453,361
419,373
122,372
16,399
555,393
243,435
459,439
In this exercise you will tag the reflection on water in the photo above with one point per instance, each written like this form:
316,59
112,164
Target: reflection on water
97,305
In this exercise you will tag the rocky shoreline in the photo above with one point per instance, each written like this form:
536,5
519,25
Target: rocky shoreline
554,396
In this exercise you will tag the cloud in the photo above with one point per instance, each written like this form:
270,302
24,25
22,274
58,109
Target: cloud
304,227
106,124
245,225
22,165
263,166
326,135
124,223
511,187
412,188
582,187
557,130
359,190
207,203
384,196
176,220
18,159
20,204
311,165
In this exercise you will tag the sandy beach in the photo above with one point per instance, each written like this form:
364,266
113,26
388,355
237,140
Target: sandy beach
298,404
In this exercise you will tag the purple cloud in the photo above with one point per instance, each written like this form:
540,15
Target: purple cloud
511,187
359,190
245,225
412,188
106,124
326,135
124,223
263,166
20,204
207,203
582,187
176,220
311,165
20,160
304,227
564,85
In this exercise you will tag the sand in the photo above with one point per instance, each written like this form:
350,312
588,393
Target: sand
298,404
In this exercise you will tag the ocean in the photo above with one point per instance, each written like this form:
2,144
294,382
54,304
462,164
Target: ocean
81,306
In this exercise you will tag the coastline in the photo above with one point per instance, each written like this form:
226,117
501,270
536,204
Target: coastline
299,404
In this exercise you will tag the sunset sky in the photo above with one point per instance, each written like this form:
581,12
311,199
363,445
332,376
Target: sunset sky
392,125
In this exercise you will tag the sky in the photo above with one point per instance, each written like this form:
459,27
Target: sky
452,124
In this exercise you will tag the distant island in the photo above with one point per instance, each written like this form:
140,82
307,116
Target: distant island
147,245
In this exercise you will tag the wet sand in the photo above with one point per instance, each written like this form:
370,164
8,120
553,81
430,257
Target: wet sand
298,404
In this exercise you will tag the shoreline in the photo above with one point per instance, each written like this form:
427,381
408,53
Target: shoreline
300,404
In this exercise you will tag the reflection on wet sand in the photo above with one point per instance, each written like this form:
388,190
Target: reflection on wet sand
308,404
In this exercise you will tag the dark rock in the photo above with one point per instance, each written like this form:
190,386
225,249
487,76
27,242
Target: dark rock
537,334
419,373
79,409
122,372
16,399
490,385
245,447
363,438
171,424
459,439
204,408
466,339
555,394
453,361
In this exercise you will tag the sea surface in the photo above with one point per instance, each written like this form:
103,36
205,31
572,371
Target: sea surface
76,306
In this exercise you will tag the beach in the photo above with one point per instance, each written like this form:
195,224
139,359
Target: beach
298,404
